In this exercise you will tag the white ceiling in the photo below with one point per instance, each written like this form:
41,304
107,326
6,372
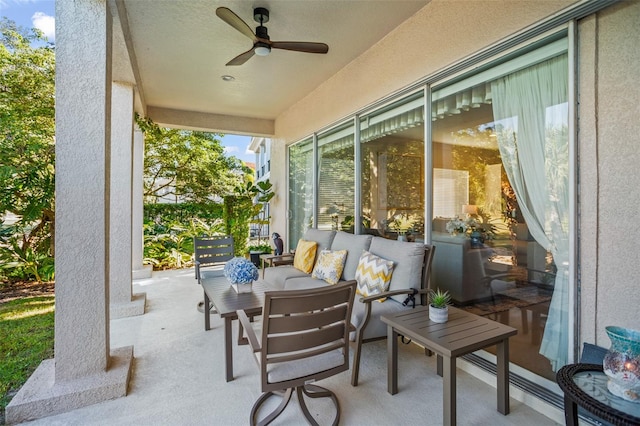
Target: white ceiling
180,50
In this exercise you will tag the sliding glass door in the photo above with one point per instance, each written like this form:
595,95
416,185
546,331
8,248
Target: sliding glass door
392,170
301,189
501,200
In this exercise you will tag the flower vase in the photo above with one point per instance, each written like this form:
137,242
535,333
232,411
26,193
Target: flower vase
242,287
621,363
402,237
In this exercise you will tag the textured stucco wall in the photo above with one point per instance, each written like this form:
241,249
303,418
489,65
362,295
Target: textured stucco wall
608,142
441,33
83,134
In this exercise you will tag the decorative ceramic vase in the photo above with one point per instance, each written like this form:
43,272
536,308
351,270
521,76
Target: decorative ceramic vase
622,363
438,314
243,287
476,239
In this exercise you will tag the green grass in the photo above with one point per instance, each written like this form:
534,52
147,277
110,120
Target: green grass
26,327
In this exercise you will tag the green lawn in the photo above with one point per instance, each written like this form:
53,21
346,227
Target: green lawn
26,327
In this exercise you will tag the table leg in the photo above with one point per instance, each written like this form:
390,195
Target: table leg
228,349
449,391
503,376
392,360
439,365
241,339
207,314
570,412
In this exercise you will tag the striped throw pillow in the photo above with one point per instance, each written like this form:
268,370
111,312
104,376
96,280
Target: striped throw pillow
373,274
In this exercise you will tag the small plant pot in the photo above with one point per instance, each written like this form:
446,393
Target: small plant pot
242,288
438,314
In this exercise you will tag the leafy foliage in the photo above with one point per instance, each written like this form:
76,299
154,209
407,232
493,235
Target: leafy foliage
27,148
188,165
237,212
169,245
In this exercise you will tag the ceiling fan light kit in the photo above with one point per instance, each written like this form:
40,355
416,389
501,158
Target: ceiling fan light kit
262,44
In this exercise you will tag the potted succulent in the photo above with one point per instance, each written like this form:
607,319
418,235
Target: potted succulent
439,305
241,273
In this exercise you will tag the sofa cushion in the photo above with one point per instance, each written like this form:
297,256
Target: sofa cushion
355,245
303,283
373,274
305,256
277,276
375,328
408,259
323,238
329,266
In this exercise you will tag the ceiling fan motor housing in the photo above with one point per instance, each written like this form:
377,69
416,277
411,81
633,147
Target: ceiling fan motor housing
261,32
261,15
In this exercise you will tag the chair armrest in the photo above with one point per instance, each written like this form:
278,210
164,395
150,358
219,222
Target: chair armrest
251,334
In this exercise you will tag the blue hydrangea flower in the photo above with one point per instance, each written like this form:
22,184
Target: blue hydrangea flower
240,271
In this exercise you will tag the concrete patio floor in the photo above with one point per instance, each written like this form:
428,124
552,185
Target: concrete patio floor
178,376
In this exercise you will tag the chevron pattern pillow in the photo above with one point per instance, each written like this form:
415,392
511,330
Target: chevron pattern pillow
305,256
329,266
373,274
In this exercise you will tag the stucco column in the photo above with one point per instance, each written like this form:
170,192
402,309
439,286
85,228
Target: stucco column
85,370
122,302
137,243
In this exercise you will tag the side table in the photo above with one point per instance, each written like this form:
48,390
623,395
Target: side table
585,385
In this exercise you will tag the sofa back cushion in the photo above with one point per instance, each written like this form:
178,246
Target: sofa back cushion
354,245
323,238
408,260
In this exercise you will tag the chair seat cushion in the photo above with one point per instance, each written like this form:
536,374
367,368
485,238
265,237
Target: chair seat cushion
303,283
288,370
276,277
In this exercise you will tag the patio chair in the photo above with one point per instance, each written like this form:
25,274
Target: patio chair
305,338
211,253
209,257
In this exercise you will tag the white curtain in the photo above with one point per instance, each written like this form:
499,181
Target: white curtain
531,116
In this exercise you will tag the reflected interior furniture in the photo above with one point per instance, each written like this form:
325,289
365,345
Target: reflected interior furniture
210,254
227,301
585,385
304,338
463,333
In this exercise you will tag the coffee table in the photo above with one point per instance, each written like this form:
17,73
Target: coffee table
226,301
463,333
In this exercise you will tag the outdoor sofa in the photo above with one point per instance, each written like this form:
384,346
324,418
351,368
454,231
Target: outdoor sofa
408,284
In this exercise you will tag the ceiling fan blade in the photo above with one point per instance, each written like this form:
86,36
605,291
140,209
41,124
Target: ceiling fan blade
301,46
242,58
236,22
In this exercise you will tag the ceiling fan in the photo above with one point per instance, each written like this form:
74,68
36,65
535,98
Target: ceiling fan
262,45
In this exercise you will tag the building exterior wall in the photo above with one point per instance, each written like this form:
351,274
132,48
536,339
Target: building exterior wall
609,54
607,127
